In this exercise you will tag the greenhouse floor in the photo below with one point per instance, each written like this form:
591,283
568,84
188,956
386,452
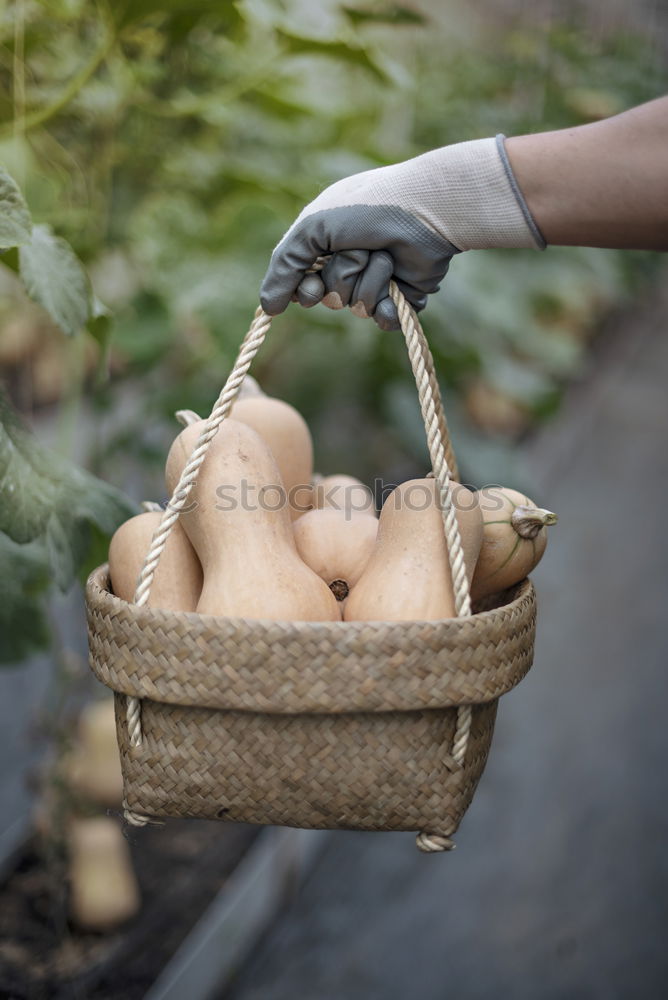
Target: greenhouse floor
559,887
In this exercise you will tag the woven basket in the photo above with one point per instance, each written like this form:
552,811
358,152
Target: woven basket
347,725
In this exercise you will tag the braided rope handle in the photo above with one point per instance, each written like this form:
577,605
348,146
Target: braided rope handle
444,469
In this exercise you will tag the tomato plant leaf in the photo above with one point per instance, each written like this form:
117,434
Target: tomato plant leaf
43,497
24,578
54,276
132,11
339,50
388,14
15,223
99,322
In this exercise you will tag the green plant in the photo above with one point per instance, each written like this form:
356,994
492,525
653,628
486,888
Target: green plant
172,144
50,510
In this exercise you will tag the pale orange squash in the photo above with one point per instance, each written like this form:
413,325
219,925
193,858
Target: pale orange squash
344,493
242,533
103,888
336,546
514,539
177,582
289,440
408,575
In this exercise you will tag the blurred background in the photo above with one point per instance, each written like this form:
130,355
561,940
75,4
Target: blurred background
170,144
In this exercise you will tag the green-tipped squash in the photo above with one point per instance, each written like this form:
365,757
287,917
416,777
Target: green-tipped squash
514,539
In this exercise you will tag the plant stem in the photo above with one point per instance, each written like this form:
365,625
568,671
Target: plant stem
36,118
19,83
226,95
72,396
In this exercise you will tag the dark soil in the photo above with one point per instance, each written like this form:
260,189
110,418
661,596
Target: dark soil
180,868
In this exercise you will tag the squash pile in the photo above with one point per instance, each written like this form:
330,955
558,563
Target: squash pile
80,792
264,537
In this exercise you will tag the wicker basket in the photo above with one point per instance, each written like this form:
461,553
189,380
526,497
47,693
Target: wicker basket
348,725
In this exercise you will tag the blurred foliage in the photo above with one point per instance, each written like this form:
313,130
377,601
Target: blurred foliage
172,143
23,583
52,513
42,497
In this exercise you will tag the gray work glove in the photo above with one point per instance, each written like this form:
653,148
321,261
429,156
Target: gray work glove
404,222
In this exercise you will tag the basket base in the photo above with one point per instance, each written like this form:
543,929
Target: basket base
357,771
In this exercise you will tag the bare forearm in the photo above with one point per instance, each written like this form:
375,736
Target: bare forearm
604,184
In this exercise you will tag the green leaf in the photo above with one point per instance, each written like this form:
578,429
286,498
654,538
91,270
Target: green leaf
97,552
100,329
15,223
131,11
10,259
54,276
387,14
24,578
99,323
271,101
43,497
341,51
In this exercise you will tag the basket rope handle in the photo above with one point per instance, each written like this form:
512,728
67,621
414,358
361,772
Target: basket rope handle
438,442
440,451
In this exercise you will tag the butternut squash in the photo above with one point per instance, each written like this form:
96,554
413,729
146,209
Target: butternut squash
514,539
242,532
345,493
186,417
289,440
177,583
408,574
250,387
92,768
336,546
103,887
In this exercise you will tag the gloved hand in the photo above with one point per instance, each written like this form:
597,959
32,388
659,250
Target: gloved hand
404,222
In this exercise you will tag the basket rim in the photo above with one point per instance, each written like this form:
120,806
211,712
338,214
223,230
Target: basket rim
187,659
99,580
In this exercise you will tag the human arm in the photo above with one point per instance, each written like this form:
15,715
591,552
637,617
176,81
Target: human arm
603,184
599,185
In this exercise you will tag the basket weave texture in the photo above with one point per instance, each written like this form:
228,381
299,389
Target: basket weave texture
350,725
315,724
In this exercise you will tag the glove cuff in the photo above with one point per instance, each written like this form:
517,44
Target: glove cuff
483,206
538,237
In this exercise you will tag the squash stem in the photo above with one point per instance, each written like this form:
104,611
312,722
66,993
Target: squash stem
340,589
528,521
187,417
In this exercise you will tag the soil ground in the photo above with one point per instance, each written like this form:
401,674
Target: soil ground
559,887
180,868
